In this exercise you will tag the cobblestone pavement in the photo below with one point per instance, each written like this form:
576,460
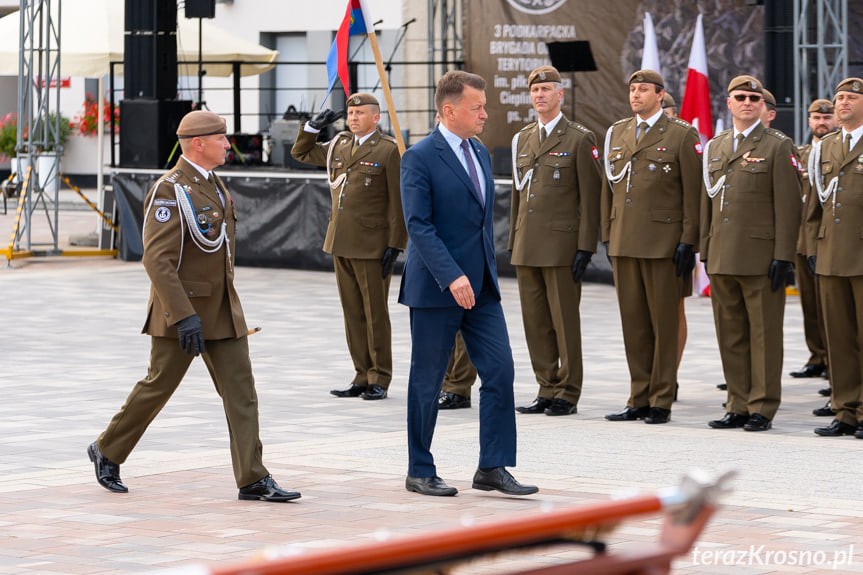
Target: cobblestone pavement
73,349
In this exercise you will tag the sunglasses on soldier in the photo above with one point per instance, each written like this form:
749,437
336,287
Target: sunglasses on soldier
742,97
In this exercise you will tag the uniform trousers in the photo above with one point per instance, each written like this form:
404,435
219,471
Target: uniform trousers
485,335
364,293
649,292
550,302
748,317
460,373
813,317
228,362
842,302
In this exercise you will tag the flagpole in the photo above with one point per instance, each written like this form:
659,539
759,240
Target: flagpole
385,85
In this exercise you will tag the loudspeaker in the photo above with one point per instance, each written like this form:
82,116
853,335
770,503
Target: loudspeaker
151,15
200,8
148,131
150,65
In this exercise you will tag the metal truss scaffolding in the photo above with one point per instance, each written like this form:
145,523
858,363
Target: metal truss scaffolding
445,45
820,55
38,147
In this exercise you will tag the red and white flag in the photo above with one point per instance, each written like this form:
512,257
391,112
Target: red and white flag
695,108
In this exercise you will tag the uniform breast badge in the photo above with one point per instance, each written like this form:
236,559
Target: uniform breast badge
666,168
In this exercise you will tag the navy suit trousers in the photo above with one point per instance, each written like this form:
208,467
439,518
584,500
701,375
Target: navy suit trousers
486,339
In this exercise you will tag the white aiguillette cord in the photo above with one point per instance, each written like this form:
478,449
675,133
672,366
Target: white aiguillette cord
625,171
705,173
817,180
339,182
519,184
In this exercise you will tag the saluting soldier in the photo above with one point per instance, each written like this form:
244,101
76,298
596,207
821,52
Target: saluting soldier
650,202
552,236
821,123
749,222
365,234
835,242
189,246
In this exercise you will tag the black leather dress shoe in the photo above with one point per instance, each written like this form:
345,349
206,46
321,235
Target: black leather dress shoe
836,429
729,421
107,472
560,407
267,489
539,405
658,415
757,422
825,411
429,486
499,479
374,391
825,391
859,433
353,391
722,386
449,400
809,370
629,414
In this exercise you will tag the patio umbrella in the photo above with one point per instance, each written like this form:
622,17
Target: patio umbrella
91,36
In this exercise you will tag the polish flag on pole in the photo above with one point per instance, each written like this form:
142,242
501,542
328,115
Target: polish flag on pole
650,52
695,108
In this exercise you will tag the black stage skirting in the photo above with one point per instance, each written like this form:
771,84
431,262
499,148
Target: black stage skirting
283,219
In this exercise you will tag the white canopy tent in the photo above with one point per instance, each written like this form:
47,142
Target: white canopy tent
92,36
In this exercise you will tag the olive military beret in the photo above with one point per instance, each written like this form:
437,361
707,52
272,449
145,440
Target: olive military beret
821,106
745,82
769,99
543,74
647,77
361,99
850,85
668,101
201,123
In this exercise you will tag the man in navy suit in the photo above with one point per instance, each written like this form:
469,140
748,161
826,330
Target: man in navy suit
450,285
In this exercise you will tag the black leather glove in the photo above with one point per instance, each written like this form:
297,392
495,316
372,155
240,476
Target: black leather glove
324,119
388,259
579,264
812,260
191,335
684,259
778,273
607,255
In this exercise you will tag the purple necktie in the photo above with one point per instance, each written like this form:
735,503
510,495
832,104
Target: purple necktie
472,169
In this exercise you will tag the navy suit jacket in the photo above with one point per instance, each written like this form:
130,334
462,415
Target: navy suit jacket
449,231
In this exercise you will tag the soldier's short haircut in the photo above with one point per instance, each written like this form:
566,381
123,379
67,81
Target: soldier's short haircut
451,87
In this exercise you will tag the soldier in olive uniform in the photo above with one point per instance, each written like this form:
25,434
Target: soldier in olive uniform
552,236
460,376
365,235
749,222
821,123
650,202
835,242
189,234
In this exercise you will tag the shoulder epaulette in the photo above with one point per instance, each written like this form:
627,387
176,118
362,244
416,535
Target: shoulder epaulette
621,121
680,122
172,177
528,126
775,133
836,134
578,126
388,138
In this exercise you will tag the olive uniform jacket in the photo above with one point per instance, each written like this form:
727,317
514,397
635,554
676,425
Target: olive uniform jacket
557,211
837,237
186,280
366,216
802,153
755,219
660,208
